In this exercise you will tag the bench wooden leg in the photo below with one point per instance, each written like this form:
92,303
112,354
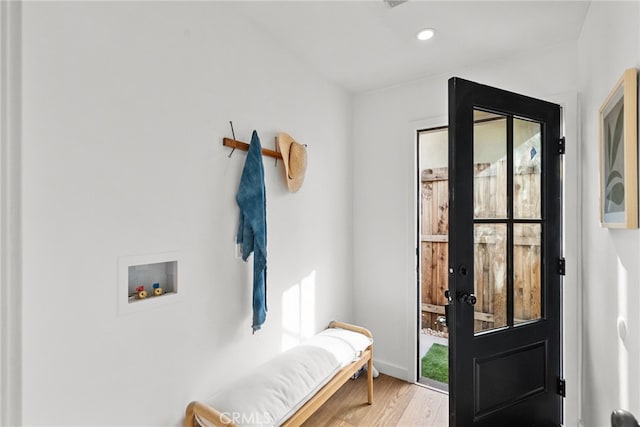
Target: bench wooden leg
370,380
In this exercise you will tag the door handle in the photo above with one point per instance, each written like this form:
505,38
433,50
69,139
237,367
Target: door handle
468,298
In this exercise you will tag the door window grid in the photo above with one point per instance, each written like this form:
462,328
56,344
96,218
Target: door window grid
508,271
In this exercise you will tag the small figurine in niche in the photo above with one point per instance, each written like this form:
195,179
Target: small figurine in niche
157,290
142,294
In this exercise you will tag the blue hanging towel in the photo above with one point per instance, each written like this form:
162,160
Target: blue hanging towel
252,229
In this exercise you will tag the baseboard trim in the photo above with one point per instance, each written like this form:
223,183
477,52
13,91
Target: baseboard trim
391,369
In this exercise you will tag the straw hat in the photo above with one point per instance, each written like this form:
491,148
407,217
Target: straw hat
294,156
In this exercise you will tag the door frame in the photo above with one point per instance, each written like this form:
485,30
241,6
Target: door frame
572,304
10,214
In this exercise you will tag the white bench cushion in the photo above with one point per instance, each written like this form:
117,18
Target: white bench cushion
274,391
347,346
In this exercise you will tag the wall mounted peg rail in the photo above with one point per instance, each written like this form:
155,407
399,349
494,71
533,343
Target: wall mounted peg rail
235,144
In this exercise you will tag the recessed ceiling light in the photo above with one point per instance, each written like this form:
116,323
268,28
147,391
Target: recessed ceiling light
425,34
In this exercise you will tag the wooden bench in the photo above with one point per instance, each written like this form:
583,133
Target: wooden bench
199,412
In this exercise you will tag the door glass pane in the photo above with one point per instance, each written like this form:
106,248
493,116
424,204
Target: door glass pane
490,165
527,169
490,276
527,297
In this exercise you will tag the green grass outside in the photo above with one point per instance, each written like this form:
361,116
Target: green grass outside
435,364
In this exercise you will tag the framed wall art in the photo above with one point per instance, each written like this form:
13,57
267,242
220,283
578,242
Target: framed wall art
619,154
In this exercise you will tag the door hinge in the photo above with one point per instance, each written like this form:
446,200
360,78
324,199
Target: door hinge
561,266
561,146
562,387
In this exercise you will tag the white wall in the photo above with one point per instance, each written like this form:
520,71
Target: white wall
385,196
124,109
609,43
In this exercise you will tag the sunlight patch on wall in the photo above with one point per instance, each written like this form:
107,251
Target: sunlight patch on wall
299,311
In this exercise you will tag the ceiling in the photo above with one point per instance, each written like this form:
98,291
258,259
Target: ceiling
366,45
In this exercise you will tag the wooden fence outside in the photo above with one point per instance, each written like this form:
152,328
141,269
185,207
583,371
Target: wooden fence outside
490,261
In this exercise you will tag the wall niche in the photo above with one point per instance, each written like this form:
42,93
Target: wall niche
147,281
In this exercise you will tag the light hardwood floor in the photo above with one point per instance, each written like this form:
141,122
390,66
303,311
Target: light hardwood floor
395,403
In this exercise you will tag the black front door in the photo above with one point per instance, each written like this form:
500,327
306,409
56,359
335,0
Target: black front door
504,256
